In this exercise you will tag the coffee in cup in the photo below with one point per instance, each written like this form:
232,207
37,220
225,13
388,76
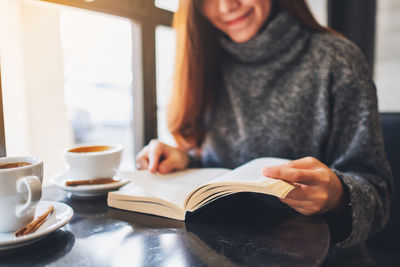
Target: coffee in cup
88,149
93,161
13,165
20,191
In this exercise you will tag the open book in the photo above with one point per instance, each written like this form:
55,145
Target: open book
174,195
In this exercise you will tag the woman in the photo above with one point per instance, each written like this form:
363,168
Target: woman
261,78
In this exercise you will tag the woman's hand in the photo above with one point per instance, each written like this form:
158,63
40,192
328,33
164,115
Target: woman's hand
319,189
157,156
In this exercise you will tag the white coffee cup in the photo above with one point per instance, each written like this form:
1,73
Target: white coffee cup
20,191
93,161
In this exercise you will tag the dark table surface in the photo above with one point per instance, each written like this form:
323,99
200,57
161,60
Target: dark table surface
240,230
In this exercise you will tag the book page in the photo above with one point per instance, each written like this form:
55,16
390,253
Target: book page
175,186
246,178
130,190
251,172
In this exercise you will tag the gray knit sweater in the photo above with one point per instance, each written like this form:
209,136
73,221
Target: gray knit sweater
291,93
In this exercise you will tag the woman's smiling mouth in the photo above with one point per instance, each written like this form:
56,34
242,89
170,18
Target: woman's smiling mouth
237,21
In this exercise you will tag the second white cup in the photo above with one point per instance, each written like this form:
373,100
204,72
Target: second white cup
93,161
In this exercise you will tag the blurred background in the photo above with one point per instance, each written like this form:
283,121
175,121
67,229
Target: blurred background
72,75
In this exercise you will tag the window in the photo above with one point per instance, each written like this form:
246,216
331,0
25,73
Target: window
97,66
387,55
171,5
76,73
320,10
165,59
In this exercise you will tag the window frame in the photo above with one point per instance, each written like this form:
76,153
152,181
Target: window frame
2,135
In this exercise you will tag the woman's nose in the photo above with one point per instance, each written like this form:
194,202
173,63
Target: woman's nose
226,6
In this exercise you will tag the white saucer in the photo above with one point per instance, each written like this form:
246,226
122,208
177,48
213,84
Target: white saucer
88,190
61,215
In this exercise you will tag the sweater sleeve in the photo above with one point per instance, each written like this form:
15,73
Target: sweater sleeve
355,149
194,158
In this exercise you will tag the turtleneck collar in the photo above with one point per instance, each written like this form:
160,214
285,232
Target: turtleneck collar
280,33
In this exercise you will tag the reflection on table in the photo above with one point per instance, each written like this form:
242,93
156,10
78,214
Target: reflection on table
238,230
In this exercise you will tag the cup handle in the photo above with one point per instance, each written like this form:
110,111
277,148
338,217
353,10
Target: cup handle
34,186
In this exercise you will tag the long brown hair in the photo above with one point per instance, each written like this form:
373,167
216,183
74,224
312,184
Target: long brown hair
196,68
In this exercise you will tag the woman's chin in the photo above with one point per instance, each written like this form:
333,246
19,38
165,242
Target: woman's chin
241,38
